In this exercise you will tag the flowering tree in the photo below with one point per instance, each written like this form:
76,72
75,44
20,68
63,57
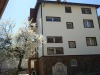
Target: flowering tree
27,41
23,45
6,28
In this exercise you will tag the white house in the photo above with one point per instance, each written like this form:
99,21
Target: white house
73,38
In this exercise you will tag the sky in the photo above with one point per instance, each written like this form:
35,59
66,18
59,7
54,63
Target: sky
19,10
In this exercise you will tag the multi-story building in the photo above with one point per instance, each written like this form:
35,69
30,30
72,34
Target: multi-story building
3,4
73,38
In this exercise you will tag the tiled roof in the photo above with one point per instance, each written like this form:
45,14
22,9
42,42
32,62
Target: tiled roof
33,12
71,3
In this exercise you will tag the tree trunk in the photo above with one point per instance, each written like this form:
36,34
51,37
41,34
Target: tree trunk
1,62
0,67
19,68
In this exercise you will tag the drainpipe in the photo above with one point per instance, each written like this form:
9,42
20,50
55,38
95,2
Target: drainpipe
42,30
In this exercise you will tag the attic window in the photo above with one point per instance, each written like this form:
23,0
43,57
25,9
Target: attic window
86,11
68,9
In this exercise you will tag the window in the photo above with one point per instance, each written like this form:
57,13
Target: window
57,19
55,50
86,11
68,9
55,39
88,23
91,41
69,25
72,44
73,62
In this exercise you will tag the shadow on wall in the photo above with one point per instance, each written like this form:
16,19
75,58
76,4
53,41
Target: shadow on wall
94,73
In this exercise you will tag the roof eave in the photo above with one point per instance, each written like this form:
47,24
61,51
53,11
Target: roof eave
69,3
3,7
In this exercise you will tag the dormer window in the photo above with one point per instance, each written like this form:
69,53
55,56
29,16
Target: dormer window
86,11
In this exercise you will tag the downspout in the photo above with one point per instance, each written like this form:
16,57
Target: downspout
42,29
97,18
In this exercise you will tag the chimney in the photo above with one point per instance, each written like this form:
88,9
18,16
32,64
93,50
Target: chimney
65,0
40,0
58,0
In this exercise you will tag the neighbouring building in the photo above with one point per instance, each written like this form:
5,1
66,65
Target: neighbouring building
73,38
3,4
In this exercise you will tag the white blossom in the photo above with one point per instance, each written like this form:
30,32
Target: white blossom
27,41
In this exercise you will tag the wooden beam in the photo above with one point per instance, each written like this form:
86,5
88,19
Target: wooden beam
3,4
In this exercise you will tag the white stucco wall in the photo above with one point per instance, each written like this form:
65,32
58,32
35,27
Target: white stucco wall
78,34
39,23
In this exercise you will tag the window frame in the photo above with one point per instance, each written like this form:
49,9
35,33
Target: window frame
55,50
74,44
87,26
86,12
53,19
54,39
72,27
74,61
95,41
69,8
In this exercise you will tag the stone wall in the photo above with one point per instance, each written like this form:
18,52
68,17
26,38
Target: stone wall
86,64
